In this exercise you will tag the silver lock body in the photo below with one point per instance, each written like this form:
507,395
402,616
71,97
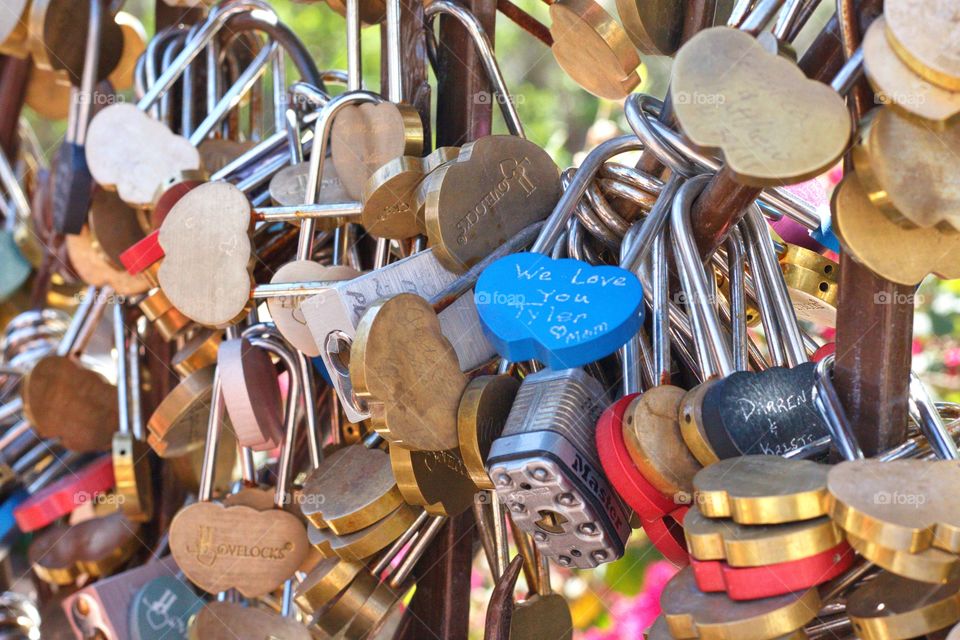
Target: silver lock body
546,470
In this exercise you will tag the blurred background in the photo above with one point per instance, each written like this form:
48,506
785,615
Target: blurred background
619,600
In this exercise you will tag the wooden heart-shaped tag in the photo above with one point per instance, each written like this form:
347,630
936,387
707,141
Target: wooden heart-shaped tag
220,548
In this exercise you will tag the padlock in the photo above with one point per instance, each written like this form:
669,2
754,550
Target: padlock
546,470
72,180
96,547
200,532
103,606
83,393
746,412
131,457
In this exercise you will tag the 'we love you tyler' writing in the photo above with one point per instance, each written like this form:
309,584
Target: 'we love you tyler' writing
553,306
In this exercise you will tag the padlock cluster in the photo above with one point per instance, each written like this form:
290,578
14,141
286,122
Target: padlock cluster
272,363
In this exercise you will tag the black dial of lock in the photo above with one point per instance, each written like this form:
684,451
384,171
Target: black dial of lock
766,412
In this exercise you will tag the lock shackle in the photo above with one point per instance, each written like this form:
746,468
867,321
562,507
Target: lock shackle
640,360
214,429
556,223
120,346
354,55
393,53
652,226
216,20
924,411
776,201
484,49
154,58
636,109
737,308
601,205
231,98
171,51
136,406
764,261
291,125
587,218
277,31
719,360
661,339
267,338
308,97
321,134
82,97
88,323
791,20
827,401
754,22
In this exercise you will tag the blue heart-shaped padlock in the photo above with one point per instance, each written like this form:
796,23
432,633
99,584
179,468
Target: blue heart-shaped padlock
564,313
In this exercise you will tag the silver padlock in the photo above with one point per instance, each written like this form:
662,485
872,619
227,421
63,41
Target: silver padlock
546,470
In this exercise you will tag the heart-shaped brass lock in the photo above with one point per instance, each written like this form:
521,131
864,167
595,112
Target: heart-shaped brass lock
402,360
63,399
364,137
901,255
773,125
220,548
206,271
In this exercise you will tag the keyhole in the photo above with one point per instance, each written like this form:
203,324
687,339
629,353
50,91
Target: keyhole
551,521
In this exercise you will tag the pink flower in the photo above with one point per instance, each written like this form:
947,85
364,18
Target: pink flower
657,576
951,358
477,580
835,175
